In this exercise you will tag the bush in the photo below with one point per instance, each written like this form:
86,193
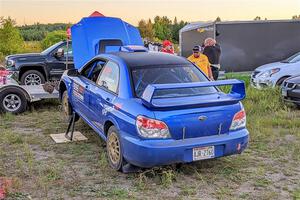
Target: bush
11,40
53,37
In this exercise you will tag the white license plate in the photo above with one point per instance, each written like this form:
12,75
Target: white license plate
284,92
201,153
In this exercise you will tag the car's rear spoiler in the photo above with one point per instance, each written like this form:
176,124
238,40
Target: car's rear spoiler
236,94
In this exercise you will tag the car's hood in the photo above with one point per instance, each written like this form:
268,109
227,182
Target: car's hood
271,66
294,79
24,56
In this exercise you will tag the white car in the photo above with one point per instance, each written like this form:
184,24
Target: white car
273,74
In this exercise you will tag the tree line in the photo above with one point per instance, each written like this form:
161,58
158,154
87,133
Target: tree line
37,32
161,28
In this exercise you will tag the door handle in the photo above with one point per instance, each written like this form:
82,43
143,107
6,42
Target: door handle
107,99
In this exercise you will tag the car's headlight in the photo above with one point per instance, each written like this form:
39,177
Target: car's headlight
10,63
269,73
152,128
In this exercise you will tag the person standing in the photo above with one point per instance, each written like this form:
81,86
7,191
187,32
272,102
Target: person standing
201,61
167,47
213,51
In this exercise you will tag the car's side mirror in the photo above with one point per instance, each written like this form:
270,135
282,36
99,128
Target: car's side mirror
73,72
104,84
59,53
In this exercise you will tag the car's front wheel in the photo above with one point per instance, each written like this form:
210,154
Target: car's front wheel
114,149
280,81
32,77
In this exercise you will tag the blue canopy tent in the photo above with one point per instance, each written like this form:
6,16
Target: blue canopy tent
98,34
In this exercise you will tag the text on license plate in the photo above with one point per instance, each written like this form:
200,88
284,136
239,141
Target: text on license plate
201,153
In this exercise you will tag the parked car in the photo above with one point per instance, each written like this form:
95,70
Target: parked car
155,108
273,74
291,90
37,68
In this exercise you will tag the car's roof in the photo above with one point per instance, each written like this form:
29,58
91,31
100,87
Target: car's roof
139,59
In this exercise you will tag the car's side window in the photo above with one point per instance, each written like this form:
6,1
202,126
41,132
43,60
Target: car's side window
67,50
92,70
109,77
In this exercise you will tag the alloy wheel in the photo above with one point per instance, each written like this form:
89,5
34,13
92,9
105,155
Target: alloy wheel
33,79
113,147
11,102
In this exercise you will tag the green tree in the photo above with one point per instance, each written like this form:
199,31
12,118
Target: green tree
176,28
11,40
142,27
53,37
162,27
149,30
257,18
296,17
218,19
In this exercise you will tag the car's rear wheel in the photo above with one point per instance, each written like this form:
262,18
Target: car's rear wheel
32,77
67,108
13,100
114,149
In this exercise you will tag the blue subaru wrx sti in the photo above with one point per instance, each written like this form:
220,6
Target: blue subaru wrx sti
155,108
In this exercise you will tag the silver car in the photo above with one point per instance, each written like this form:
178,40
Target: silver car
273,74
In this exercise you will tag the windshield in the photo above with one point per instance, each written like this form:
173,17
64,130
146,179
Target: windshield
51,48
165,74
294,58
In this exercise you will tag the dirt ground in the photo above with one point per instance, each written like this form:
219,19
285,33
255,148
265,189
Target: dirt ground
40,169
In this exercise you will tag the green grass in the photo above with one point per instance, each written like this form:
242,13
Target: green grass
268,169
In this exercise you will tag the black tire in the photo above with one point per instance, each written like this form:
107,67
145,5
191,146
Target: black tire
18,98
25,78
116,161
67,107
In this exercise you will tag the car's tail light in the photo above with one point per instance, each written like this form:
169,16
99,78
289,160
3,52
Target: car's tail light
239,120
151,128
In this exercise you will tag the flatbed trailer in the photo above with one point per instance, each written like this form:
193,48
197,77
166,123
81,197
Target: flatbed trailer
15,98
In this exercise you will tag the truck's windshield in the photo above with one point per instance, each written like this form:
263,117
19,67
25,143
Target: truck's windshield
51,48
165,74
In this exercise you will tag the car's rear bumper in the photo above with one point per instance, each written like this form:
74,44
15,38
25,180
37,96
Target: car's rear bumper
149,153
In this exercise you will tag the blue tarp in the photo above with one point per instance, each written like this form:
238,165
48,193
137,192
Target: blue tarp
87,34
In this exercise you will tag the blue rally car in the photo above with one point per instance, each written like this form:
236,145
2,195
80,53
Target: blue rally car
150,108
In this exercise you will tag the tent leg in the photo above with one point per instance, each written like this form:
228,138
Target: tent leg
71,126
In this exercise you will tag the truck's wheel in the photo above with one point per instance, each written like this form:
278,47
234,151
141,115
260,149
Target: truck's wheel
32,77
13,100
67,108
114,149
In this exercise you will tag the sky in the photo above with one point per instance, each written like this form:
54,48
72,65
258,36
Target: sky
51,11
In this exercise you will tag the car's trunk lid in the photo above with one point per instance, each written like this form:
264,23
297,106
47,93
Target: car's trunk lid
199,115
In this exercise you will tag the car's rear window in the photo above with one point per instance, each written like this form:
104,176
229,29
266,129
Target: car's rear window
165,74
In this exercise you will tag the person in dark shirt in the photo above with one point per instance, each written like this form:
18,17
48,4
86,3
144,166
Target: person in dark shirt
213,51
